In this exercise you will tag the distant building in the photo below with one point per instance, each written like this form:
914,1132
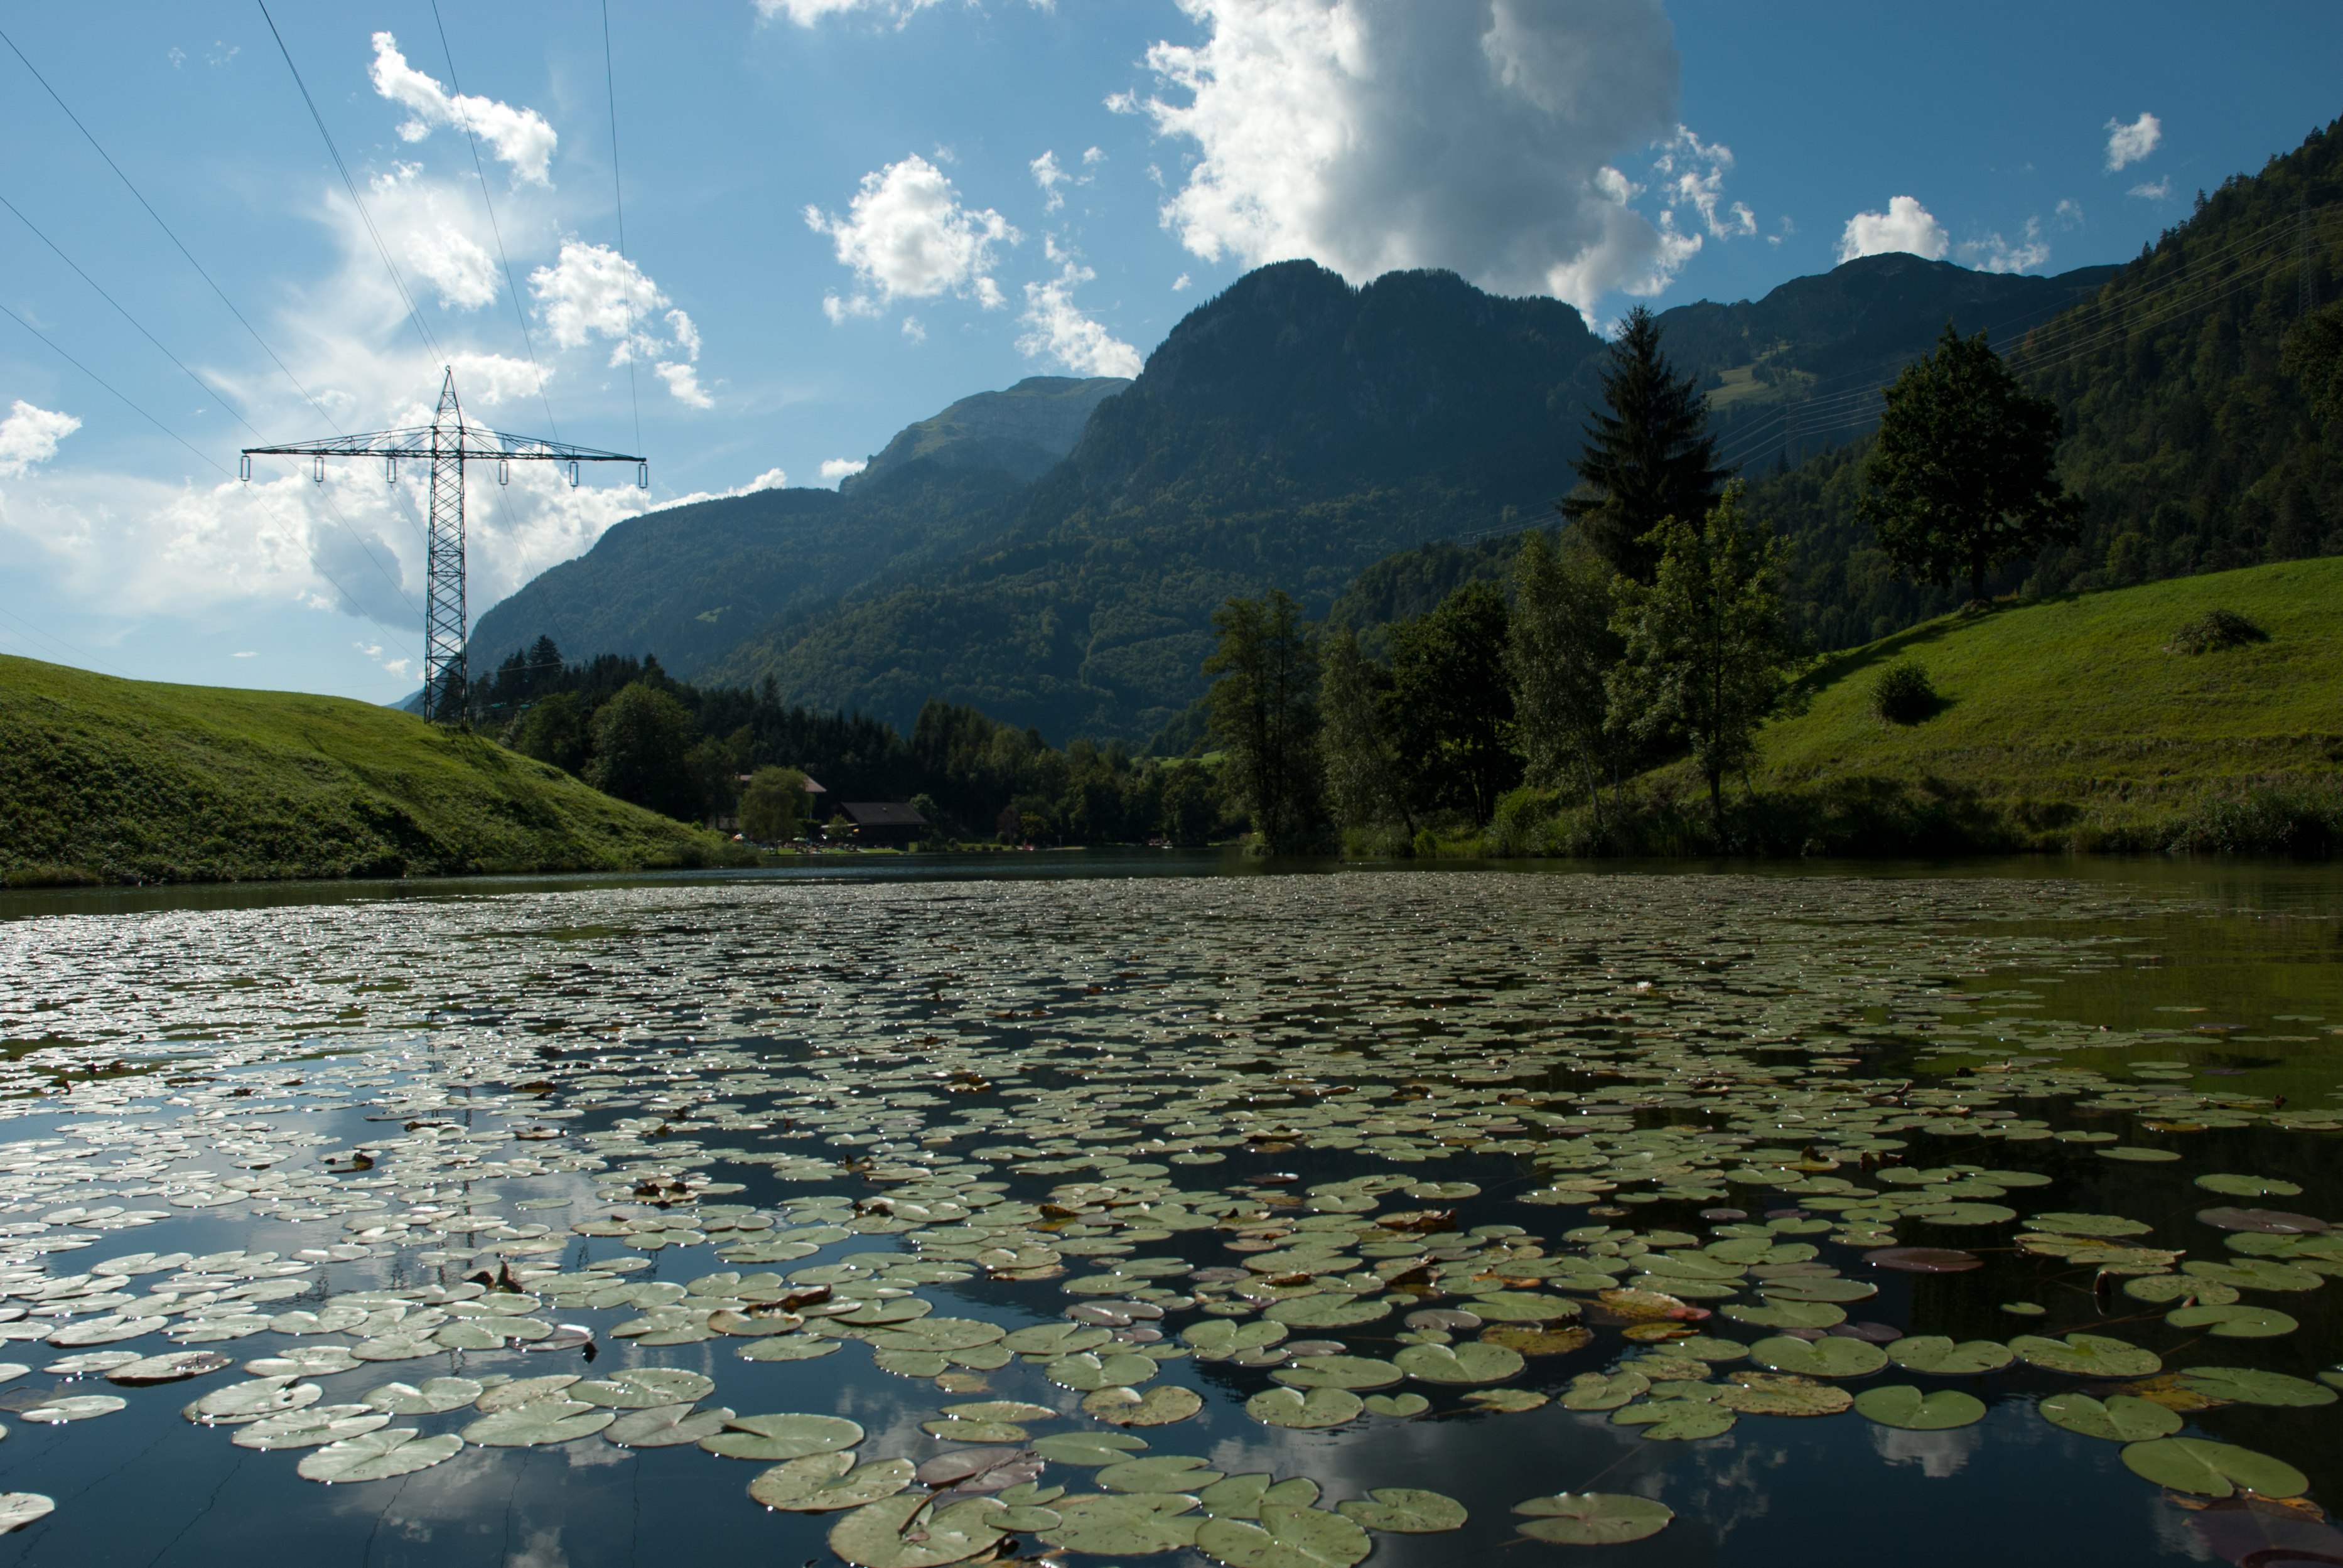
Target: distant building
894,822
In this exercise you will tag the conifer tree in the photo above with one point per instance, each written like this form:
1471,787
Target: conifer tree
1649,457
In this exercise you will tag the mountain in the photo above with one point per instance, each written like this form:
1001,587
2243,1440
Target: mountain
1023,431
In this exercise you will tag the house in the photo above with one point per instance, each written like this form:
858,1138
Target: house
892,822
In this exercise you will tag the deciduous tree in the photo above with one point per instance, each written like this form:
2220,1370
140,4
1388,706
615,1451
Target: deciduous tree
1265,716
1559,653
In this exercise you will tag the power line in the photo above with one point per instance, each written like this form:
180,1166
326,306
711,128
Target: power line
520,314
167,231
618,192
364,218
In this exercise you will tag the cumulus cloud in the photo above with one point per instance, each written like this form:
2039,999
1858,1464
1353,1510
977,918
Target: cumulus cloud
30,435
806,13
771,479
520,138
1995,254
594,292
1049,177
429,225
2070,214
1370,134
1906,225
2153,190
1057,329
835,469
2127,144
1691,172
907,234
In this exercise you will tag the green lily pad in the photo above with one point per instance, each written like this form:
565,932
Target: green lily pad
1404,1511
1521,1307
521,1391
906,1531
1331,1310
2140,1155
433,1396
2242,1386
1678,1419
2211,1469
1284,1537
1086,1371
1218,1339
1241,1496
2160,1288
783,1436
1603,1390
1167,1473
2233,1323
2087,1355
1471,1362
244,1401
956,1431
1904,1407
311,1428
1291,1407
2066,1224
2254,1274
2249,1186
1841,1292
1087,1449
1940,1357
1050,1340
665,1426
1831,1357
1338,1372
1507,1401
1397,1405
1122,1406
538,1423
378,1456
787,1348
1964,1214
826,1483
1125,1524
1594,1518
2121,1418
999,1409
1770,1394
643,1388
1785,1314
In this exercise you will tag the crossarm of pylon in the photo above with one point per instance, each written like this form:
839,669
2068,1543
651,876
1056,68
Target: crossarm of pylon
487,444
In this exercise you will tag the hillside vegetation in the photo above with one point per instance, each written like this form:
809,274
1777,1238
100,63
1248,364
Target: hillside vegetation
109,779
2076,721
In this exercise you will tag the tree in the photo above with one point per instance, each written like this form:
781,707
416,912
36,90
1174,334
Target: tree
1452,708
2314,358
1708,654
1363,776
773,804
642,744
553,730
1650,456
1559,654
1266,715
1192,803
1964,474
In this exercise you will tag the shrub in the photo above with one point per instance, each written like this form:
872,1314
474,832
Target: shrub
2214,630
1901,693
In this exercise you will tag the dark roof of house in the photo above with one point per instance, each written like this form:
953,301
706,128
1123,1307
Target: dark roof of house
882,814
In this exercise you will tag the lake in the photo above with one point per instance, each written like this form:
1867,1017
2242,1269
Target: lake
905,1211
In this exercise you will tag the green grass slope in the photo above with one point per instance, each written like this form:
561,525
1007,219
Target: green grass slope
2068,721
110,780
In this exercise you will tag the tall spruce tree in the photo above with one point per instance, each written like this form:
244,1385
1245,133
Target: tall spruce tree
1650,456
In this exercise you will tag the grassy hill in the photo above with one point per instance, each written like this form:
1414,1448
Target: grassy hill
108,779
2066,722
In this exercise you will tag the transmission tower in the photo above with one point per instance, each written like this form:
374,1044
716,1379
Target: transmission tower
447,444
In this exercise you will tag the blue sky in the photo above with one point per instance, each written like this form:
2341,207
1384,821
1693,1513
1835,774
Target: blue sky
841,215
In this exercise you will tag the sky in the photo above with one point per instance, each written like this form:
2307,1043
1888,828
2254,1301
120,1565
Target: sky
750,239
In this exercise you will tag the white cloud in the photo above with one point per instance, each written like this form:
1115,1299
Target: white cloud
683,383
1181,284
520,138
907,234
1995,254
806,13
246,653
1691,172
594,292
1318,135
2068,213
913,330
2128,144
1906,225
30,435
771,479
2156,190
835,469
1049,177
1058,329
427,223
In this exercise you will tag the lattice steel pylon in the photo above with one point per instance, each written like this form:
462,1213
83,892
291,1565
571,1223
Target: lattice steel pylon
447,444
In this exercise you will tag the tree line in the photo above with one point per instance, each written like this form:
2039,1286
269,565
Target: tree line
1653,628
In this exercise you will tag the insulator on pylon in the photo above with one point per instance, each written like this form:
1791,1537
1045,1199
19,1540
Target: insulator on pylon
390,470
504,471
642,476
573,476
318,474
243,467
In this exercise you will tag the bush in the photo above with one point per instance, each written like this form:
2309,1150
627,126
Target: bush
2214,630
1901,693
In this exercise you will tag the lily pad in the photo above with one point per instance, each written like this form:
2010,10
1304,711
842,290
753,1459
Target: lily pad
522,1391
1833,1356
1939,1356
18,1509
787,1348
1164,1472
905,1530
2233,1323
2140,1155
433,1396
2210,1469
1218,1339
1087,1371
539,1424
1284,1537
643,1388
1907,1408
1338,1372
2160,1288
1923,1260
243,1402
783,1436
1317,1409
1125,1524
826,1483
665,1426
1089,1450
78,1407
2242,1386
1786,1314
2249,1186
1400,1406
1523,1306
1405,1511
1471,1362
1766,1393
1603,1390
312,1428
2121,1418
378,1456
2087,1355
171,1367
1594,1518
1121,1406
1678,1419
1331,1310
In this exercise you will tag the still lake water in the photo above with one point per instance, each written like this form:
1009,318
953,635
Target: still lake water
853,1140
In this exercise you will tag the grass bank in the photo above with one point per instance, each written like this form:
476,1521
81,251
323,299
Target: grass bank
103,780
2076,722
